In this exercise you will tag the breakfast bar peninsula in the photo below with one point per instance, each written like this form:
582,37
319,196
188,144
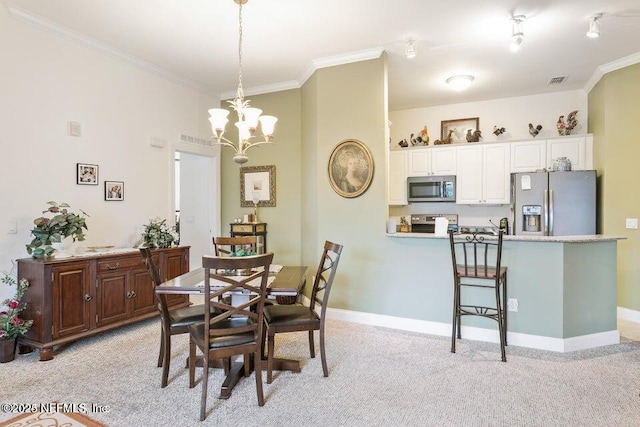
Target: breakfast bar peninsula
561,289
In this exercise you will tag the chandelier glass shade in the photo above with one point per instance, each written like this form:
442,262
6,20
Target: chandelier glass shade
248,117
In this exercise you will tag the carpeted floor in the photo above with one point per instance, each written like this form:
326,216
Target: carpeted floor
378,377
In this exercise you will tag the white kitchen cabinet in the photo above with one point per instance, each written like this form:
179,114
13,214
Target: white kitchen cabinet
483,174
397,177
578,149
431,161
530,156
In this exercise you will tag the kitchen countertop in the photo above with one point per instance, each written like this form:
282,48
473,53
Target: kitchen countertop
512,238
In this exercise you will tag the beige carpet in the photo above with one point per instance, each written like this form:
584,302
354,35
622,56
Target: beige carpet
51,419
378,377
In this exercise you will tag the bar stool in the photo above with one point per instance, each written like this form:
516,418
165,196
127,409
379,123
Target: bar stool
477,264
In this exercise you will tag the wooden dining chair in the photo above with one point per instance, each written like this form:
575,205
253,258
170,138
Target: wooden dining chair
172,322
226,246
298,317
477,263
238,329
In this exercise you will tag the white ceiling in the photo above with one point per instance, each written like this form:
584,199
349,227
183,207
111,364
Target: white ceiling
195,41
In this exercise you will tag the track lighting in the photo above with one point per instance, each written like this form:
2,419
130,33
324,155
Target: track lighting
517,33
594,27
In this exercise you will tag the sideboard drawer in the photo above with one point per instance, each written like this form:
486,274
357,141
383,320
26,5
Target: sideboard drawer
120,263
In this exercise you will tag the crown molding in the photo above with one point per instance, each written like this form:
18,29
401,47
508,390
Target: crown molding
316,64
52,27
260,90
611,66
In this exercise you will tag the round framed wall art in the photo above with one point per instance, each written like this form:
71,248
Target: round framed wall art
350,168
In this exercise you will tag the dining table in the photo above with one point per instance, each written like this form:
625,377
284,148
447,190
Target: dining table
287,284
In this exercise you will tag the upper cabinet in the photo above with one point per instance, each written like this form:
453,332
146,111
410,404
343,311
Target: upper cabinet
483,174
530,156
432,161
397,181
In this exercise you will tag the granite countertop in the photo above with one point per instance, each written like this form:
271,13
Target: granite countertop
511,238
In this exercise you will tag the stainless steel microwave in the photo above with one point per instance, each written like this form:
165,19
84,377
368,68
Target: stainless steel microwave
431,188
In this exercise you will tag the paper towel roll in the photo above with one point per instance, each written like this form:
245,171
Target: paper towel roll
391,226
441,226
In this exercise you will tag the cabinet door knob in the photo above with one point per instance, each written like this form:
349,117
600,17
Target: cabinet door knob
88,297
110,267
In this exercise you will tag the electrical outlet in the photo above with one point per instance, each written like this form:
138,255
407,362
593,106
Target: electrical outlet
631,223
12,227
512,304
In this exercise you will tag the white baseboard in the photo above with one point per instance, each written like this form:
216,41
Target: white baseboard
628,314
478,334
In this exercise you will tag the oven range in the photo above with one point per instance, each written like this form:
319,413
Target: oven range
426,223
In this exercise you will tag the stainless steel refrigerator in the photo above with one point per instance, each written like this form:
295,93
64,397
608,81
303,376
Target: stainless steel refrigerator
554,203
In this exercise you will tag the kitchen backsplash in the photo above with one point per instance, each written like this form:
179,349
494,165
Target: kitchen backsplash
467,215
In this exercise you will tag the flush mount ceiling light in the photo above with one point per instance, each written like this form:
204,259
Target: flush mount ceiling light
460,83
410,49
248,117
594,26
517,33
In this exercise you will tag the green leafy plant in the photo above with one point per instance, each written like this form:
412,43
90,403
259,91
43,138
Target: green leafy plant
62,224
243,252
157,234
11,324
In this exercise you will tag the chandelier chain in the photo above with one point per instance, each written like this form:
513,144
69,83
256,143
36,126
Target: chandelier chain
240,93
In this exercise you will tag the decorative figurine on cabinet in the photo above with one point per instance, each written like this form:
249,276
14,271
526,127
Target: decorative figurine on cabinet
473,136
534,131
565,128
447,140
403,143
498,131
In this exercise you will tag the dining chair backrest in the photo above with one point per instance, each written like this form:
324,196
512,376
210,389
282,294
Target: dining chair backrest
154,274
225,246
220,280
324,276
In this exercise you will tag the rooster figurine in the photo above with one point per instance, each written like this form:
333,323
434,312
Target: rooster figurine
534,130
473,136
498,131
424,134
565,128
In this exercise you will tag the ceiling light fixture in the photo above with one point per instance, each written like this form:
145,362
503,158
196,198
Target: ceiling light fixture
247,117
517,34
410,49
460,83
594,26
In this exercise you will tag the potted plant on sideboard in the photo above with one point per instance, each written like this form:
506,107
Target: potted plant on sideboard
12,326
47,231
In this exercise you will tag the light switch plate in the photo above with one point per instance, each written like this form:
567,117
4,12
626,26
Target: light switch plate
631,223
74,128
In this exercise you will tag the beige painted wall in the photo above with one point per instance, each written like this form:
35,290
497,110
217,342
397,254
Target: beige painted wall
283,220
614,113
350,104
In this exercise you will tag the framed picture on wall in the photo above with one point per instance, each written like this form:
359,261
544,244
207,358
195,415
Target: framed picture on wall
257,186
114,191
458,129
86,174
350,168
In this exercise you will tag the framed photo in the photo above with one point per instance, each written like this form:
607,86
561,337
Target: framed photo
258,184
350,168
114,191
86,174
459,128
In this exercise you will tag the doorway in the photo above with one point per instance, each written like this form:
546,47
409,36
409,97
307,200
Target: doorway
197,203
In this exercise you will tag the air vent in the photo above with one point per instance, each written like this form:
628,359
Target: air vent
195,140
557,80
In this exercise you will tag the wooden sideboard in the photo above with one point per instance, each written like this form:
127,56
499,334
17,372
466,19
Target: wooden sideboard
73,298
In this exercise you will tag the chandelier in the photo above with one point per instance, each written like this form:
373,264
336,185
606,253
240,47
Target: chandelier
248,117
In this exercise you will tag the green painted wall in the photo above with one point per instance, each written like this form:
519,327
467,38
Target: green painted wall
614,112
349,102
283,220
